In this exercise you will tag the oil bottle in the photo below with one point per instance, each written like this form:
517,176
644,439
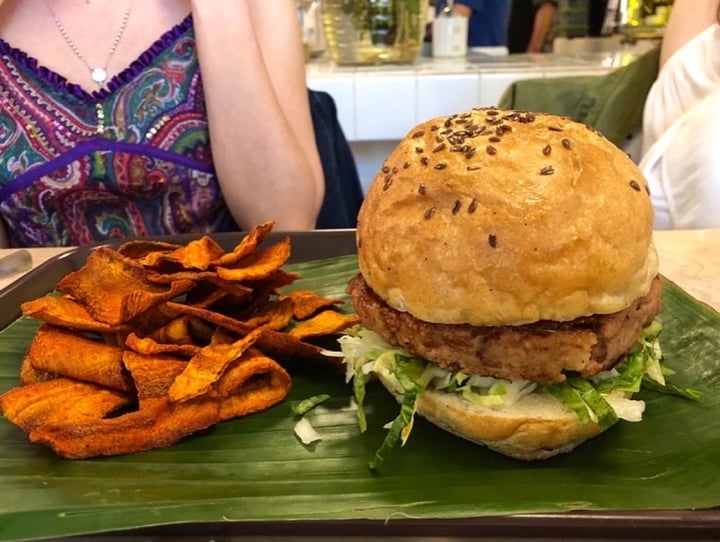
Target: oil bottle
647,18
373,31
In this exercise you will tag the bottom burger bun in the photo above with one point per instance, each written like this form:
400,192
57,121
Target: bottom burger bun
521,419
536,427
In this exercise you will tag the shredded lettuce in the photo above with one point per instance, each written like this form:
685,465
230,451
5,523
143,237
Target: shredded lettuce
405,371
601,410
630,410
571,399
306,432
359,391
306,405
602,398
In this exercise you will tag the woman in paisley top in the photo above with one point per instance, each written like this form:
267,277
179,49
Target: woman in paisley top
201,125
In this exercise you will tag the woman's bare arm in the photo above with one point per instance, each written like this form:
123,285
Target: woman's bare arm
253,68
687,19
542,24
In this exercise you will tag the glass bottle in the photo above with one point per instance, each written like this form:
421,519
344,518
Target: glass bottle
647,18
373,31
311,25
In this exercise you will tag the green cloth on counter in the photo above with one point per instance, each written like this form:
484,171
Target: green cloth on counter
612,104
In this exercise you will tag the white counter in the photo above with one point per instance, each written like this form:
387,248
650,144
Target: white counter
378,105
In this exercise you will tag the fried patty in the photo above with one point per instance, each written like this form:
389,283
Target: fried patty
542,351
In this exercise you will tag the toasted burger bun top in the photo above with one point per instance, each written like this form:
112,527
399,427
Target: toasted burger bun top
493,217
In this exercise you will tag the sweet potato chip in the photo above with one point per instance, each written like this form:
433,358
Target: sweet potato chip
272,283
153,374
307,302
251,384
222,336
258,265
324,323
246,246
59,400
207,366
146,345
275,314
156,277
238,291
284,346
274,343
201,330
176,331
59,351
197,254
31,375
154,341
158,423
65,312
214,282
151,319
206,297
217,318
138,249
114,288
265,289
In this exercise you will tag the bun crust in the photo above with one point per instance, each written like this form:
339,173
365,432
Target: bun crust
536,427
494,217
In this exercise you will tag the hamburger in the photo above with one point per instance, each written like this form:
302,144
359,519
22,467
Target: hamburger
508,283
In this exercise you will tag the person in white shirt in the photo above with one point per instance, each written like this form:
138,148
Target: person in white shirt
681,120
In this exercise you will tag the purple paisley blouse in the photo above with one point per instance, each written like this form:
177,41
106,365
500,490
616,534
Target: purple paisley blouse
130,160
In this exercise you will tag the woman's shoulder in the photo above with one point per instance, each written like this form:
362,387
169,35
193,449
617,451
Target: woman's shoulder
700,55
689,21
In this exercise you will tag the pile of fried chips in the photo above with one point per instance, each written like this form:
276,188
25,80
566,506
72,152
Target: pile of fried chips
154,341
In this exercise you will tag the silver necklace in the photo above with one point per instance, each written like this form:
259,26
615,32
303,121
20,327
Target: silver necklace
98,73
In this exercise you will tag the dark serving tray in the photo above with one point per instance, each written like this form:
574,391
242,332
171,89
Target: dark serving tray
698,525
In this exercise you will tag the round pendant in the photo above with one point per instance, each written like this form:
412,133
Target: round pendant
98,75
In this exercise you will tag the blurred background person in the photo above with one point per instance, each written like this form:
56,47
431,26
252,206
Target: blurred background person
571,19
681,121
149,117
530,25
487,20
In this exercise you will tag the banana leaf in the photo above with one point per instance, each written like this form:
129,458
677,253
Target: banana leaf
254,471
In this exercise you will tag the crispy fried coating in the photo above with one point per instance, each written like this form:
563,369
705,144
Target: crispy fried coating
276,314
31,375
275,343
72,418
198,254
307,302
60,400
60,351
247,245
66,312
148,345
252,383
153,373
138,249
323,323
176,331
207,366
158,423
258,265
115,289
